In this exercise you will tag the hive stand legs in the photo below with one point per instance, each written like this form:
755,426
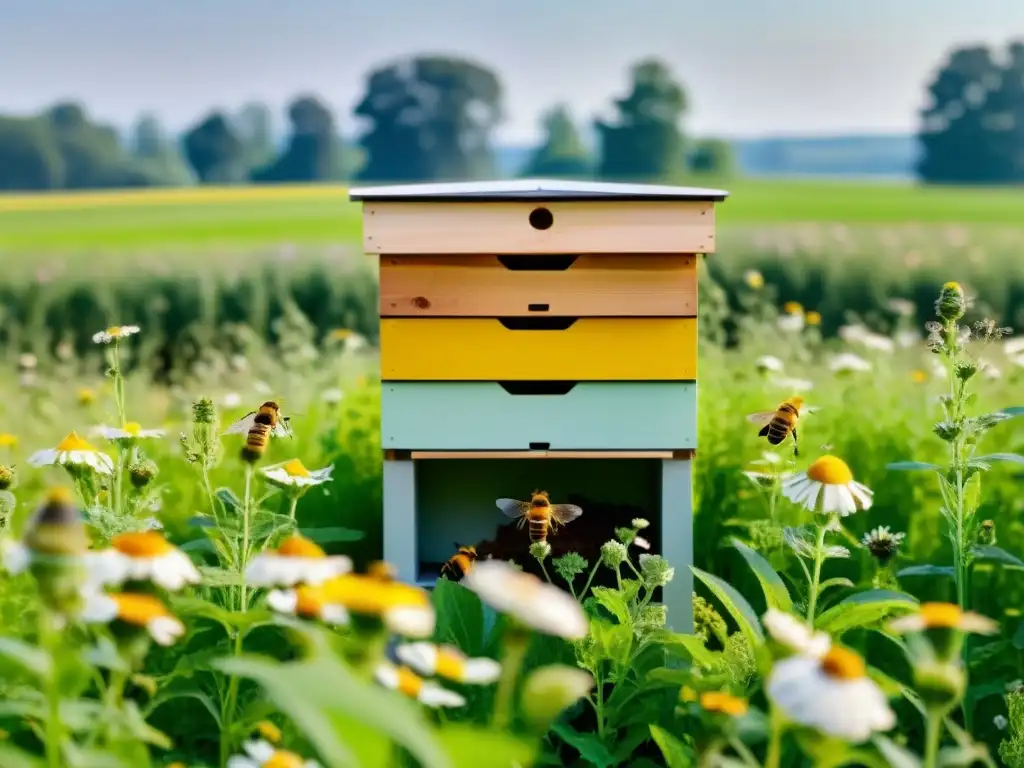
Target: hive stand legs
400,518
677,540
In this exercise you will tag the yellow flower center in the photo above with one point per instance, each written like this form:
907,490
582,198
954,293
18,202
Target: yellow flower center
114,330
726,704
7,440
813,318
295,468
843,664
282,758
919,377
381,570
686,693
132,428
138,610
141,544
339,334
450,664
74,443
409,682
299,546
941,615
952,286
86,396
755,279
793,308
367,595
309,601
830,470
269,731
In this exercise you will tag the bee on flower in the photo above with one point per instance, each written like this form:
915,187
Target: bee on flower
73,452
408,683
448,662
827,487
130,613
142,556
297,560
131,431
115,333
262,754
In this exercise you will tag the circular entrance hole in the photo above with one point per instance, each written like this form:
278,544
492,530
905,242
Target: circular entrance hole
541,218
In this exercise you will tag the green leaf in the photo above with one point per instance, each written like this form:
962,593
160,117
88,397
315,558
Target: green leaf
1013,458
912,466
197,545
332,535
323,698
614,602
897,756
838,581
232,504
775,593
691,644
675,752
188,605
470,747
926,570
201,521
165,696
219,577
996,555
35,660
590,747
460,617
734,603
863,609
15,758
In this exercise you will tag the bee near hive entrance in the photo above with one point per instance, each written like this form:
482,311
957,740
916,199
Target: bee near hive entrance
537,335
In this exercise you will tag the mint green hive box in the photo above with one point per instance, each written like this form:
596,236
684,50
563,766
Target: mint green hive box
537,334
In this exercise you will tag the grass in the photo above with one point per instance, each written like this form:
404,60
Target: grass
322,214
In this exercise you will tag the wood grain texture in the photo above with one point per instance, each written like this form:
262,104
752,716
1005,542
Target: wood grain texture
592,349
594,285
579,227
593,415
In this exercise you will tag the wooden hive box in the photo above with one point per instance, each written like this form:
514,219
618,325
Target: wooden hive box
546,320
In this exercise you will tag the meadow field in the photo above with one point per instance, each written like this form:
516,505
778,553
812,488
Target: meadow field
798,657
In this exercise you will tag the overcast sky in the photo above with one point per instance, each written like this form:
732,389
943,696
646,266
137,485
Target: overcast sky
751,67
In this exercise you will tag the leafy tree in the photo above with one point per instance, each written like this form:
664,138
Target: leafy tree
148,137
214,150
430,117
313,148
563,152
713,156
157,159
255,126
92,152
29,156
645,141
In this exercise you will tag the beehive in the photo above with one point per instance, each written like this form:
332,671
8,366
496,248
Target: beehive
537,334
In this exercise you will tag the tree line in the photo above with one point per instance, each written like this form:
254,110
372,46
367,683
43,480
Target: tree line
430,118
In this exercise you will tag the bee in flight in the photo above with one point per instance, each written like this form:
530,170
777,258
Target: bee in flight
777,425
540,513
258,426
460,563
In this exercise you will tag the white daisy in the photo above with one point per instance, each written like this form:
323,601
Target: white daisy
1014,347
523,596
794,634
297,560
115,333
262,754
142,556
792,384
906,339
292,474
791,322
132,430
769,363
137,610
332,396
73,451
831,693
828,487
878,342
847,361
944,616
407,682
448,662
231,400
308,602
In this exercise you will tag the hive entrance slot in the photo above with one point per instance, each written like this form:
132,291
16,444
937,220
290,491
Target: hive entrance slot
537,323
555,262
541,218
540,446
538,307
537,387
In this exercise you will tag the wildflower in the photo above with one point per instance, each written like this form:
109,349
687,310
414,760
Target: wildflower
27,361
792,384
540,550
135,611
231,400
269,731
115,333
404,609
878,342
639,523
550,689
448,662
918,376
765,468
827,486
262,754
655,571
831,693
791,323
951,304
768,364
1014,347
707,622
73,451
332,396
613,553
944,616
753,279
141,473
882,544
526,598
641,542
901,307
794,635
142,556
296,561
907,338
7,440
85,396
293,475
793,308
846,362
720,702
813,318
6,477
408,683
204,411
131,430
570,565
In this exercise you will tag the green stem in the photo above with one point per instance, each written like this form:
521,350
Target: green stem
593,572
933,738
545,571
516,643
295,502
117,491
599,702
774,756
54,728
819,551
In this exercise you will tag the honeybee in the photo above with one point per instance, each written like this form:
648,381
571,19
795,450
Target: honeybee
777,425
540,513
258,426
459,564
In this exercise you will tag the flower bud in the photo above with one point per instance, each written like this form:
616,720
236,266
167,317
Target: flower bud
940,684
655,571
6,477
549,690
613,553
540,550
951,304
56,538
142,473
204,411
